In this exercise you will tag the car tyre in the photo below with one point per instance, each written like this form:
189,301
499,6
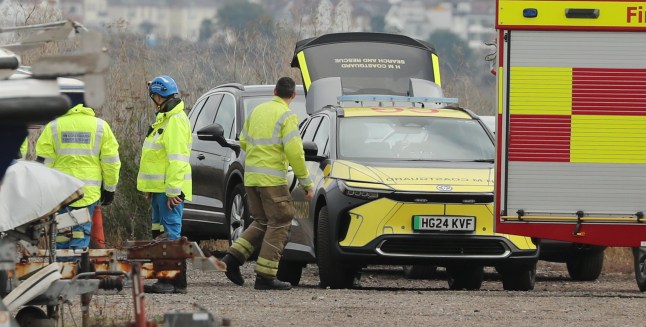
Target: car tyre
419,271
519,278
465,277
639,255
585,266
238,218
332,272
290,271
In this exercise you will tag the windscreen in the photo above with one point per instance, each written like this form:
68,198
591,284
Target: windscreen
413,138
369,68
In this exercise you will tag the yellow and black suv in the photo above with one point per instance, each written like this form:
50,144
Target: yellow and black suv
403,184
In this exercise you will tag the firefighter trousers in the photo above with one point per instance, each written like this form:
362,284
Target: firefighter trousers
272,212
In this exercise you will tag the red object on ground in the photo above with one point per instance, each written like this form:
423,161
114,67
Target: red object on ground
97,237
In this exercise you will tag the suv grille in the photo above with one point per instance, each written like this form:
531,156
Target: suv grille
443,247
442,197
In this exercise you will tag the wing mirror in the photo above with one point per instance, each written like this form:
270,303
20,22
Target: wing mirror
215,132
311,152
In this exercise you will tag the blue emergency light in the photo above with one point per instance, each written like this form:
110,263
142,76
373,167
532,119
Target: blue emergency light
530,12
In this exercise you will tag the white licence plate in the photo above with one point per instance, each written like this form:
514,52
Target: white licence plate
444,223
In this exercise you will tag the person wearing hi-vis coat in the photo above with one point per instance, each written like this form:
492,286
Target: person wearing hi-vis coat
271,141
81,145
164,170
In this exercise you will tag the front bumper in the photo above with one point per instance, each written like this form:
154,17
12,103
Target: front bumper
438,250
381,232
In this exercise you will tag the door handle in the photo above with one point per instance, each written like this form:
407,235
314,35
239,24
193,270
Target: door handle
201,156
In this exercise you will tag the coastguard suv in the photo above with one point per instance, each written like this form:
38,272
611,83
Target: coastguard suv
402,184
399,177
219,206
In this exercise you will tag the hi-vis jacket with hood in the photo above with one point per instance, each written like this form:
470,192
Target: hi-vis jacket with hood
272,141
83,146
164,165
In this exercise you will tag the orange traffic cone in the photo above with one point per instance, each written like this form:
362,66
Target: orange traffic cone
97,238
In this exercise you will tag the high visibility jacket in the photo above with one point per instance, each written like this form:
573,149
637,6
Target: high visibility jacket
164,165
83,146
272,142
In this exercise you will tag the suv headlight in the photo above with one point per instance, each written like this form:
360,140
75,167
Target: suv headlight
368,191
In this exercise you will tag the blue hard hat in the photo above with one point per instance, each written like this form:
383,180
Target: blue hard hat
163,85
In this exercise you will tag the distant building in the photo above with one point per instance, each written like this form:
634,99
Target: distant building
473,21
159,18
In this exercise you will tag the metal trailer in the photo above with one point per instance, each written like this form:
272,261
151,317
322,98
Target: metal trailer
571,156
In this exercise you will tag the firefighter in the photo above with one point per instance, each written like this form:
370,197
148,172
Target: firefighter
82,145
271,141
165,172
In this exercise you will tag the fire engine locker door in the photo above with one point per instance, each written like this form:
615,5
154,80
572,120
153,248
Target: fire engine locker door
577,123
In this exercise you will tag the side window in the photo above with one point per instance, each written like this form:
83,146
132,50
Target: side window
322,136
196,112
226,115
310,130
207,114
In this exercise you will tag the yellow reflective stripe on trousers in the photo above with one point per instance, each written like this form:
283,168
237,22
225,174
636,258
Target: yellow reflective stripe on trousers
61,238
266,267
244,247
157,227
78,234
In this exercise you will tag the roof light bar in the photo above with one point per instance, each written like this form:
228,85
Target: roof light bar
393,98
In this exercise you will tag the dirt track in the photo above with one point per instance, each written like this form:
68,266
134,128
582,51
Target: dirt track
387,299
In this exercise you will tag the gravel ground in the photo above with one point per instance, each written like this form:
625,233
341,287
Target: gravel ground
388,299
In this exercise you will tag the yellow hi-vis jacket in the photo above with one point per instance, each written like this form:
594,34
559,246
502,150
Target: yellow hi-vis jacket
164,165
82,145
272,141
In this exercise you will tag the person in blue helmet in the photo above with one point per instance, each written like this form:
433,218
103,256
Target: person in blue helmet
165,172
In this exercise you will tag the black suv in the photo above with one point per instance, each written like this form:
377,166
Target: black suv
219,206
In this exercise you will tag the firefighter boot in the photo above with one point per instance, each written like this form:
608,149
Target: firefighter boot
162,286
233,269
264,283
180,283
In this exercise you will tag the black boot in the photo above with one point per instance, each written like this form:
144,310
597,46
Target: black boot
180,281
233,269
264,283
162,286
155,234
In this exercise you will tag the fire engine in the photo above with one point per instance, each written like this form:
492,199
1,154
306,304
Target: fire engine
571,142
